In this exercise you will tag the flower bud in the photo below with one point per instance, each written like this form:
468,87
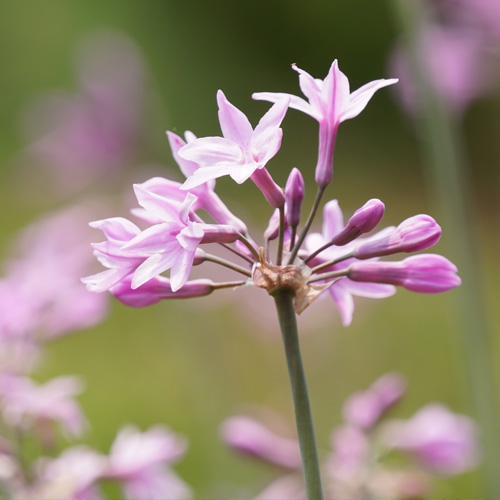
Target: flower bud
428,273
412,235
271,191
363,220
294,196
219,233
156,289
273,228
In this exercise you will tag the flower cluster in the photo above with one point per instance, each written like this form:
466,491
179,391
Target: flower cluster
343,259
433,442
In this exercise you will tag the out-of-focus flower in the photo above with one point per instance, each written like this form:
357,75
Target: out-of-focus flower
242,153
73,475
248,436
330,102
41,295
455,66
440,439
364,409
91,134
25,405
139,460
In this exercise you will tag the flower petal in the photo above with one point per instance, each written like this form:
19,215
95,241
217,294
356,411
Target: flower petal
233,122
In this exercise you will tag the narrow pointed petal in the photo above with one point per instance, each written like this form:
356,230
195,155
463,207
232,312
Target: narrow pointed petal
116,229
233,122
344,301
153,239
155,265
359,98
205,174
295,102
333,220
164,208
181,268
212,151
335,94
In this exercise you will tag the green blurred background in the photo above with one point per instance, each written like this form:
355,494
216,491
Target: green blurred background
192,364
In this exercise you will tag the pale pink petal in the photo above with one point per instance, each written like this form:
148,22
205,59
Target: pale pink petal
333,220
371,290
310,87
116,228
162,207
206,174
155,265
104,280
233,123
344,301
359,98
335,94
295,102
157,238
212,151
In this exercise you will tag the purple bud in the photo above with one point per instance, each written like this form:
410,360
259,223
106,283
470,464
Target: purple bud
412,235
363,220
271,191
273,228
219,233
156,289
294,195
428,273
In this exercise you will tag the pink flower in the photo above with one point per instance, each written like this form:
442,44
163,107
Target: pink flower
42,294
250,437
343,290
139,461
364,409
71,476
242,153
84,136
442,440
25,404
330,102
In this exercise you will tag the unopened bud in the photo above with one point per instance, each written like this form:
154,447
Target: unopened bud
412,235
294,196
427,273
273,228
156,289
271,191
363,220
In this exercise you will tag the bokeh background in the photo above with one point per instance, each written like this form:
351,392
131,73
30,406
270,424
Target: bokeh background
192,364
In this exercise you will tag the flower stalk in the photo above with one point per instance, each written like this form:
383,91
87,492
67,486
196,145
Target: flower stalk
305,429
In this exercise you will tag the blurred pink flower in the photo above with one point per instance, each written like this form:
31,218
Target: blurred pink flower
139,460
444,441
71,476
248,436
455,64
41,295
83,137
26,405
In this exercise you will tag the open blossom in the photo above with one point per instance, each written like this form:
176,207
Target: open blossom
330,102
242,153
139,460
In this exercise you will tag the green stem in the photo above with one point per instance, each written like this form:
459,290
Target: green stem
443,153
303,417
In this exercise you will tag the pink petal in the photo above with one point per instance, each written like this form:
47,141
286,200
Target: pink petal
333,220
295,102
359,98
155,265
335,94
205,174
233,123
344,301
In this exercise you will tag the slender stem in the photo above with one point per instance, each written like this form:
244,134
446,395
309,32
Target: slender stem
281,236
236,252
326,276
332,262
226,263
228,284
443,152
249,245
305,230
303,417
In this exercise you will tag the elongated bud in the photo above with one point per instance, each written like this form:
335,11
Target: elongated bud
326,146
294,196
428,273
157,289
412,235
363,220
273,228
219,233
271,191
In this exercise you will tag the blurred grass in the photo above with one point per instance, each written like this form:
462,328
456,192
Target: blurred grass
189,364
